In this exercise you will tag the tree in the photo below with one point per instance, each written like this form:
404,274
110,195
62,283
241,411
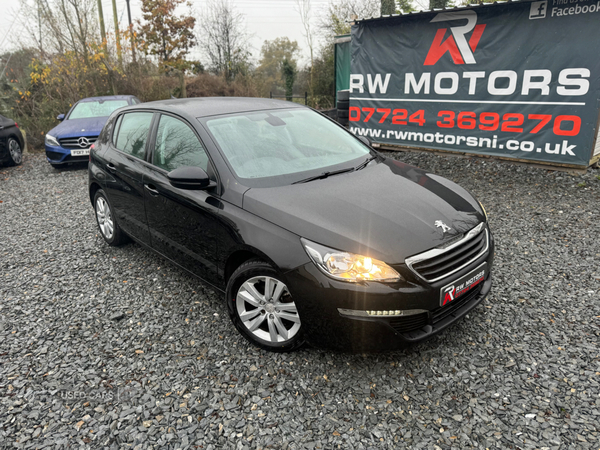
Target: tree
165,35
388,7
62,25
336,20
273,54
304,9
437,4
404,6
224,39
288,70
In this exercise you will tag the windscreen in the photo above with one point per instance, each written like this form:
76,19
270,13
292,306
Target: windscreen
283,142
96,108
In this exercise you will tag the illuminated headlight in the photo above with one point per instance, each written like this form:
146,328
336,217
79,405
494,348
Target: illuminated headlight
348,266
51,140
483,209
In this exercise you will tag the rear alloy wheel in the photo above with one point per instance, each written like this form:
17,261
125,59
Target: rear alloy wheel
262,309
109,229
15,153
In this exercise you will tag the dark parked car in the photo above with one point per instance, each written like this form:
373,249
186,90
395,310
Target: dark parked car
11,142
310,233
70,141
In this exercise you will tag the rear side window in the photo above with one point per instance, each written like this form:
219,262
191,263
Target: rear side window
177,145
133,133
116,130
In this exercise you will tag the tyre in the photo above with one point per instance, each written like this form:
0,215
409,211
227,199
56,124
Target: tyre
343,95
262,309
343,122
15,152
343,104
109,228
343,114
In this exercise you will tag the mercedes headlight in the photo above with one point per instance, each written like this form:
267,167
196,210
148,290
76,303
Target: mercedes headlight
348,266
51,140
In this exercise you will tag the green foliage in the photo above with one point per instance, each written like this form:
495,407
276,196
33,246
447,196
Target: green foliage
269,72
404,6
388,7
323,79
288,70
437,4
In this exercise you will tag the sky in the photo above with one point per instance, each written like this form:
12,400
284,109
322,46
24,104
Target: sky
265,20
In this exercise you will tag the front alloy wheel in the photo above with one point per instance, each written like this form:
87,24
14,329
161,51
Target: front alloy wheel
267,310
262,307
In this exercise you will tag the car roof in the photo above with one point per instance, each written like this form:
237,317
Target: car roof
214,106
106,97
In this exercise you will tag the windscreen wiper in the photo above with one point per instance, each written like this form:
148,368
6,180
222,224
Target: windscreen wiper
324,175
365,164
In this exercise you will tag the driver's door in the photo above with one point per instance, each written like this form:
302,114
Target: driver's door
181,222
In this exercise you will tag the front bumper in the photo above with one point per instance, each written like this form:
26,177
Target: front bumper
319,300
60,155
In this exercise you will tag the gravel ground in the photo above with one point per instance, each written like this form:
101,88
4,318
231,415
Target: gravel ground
115,348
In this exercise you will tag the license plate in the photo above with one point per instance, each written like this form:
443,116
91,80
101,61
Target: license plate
463,285
82,152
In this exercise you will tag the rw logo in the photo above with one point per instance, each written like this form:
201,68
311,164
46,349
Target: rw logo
456,44
448,294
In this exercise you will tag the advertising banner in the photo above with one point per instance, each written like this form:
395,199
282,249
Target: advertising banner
518,80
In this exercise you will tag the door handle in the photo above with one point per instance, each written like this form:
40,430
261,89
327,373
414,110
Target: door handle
153,191
111,168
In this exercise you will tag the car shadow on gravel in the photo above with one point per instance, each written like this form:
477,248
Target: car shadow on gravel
71,167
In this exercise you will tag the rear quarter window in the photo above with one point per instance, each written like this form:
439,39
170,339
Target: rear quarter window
132,133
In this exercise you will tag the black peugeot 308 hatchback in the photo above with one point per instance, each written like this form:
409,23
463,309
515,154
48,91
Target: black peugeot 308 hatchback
309,232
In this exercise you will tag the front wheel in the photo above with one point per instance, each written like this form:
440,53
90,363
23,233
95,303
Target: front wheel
262,309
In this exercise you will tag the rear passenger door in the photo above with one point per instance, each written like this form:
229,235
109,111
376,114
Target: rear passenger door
182,222
125,166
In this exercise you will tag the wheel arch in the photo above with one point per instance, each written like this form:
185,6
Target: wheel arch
20,140
94,187
240,256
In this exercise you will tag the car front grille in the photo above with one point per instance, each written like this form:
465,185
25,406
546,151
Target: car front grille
439,263
74,142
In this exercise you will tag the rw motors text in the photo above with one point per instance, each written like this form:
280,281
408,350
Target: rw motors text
570,82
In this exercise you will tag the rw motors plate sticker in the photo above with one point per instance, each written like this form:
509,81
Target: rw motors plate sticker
460,287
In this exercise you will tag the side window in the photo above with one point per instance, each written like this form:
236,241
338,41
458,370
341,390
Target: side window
177,145
133,133
116,129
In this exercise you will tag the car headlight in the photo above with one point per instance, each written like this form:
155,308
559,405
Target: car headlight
483,209
51,140
348,266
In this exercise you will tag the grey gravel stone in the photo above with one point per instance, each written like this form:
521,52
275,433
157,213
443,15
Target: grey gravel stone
523,371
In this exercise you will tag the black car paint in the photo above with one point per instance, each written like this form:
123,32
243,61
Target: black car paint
209,232
9,129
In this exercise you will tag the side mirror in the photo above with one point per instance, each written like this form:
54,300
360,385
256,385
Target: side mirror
191,178
60,117
365,140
